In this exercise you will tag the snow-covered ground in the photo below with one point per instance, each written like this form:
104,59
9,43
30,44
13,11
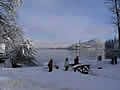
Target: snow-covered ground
38,78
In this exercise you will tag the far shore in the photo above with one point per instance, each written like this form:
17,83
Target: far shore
56,48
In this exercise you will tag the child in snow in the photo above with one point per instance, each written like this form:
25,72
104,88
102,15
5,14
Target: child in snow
56,66
66,65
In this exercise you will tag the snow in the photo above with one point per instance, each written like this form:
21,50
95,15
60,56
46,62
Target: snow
2,48
38,78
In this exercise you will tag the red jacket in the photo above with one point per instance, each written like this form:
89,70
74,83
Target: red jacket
76,61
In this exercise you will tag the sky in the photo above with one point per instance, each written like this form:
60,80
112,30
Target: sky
65,21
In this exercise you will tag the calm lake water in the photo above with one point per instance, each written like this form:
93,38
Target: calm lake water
59,55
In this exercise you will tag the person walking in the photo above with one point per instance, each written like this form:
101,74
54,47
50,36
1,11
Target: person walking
66,65
76,60
50,65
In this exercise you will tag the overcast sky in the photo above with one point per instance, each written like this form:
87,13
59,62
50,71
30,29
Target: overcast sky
65,20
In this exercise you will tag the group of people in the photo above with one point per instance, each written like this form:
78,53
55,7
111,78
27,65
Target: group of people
66,64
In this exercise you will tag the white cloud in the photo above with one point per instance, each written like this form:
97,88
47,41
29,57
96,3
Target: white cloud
47,20
67,28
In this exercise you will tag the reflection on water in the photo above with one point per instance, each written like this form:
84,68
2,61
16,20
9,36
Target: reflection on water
59,55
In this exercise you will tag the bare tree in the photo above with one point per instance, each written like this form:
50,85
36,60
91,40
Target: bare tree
114,6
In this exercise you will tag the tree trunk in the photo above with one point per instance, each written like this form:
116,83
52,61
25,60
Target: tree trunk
119,36
118,20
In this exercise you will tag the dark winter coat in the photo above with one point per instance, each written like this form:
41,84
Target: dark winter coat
50,65
76,60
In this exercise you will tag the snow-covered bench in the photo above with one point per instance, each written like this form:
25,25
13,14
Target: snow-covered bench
83,68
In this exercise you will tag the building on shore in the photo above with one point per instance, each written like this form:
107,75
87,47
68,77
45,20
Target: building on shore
89,48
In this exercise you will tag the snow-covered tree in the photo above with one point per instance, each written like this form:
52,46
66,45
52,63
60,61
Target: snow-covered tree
17,50
24,54
8,9
9,31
